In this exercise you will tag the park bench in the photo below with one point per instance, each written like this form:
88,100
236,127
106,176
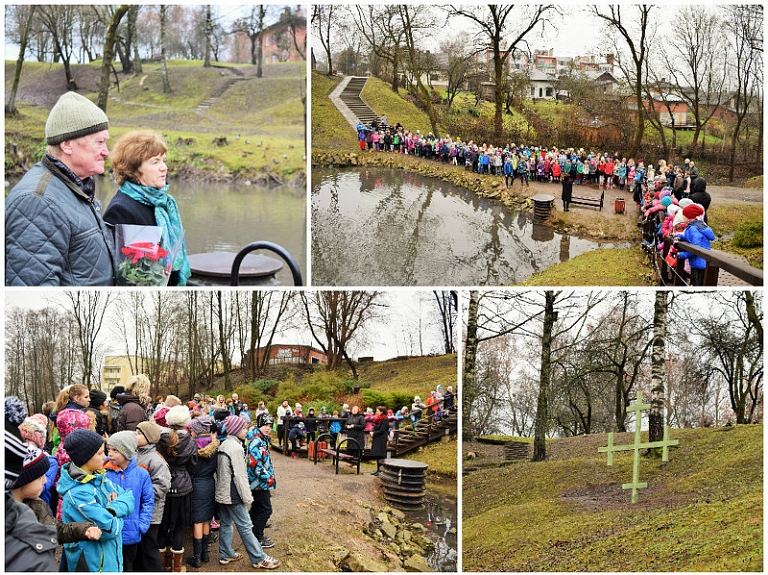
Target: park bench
589,200
336,454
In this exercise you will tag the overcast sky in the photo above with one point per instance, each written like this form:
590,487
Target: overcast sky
394,335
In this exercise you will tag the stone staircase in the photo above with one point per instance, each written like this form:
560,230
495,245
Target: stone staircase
351,97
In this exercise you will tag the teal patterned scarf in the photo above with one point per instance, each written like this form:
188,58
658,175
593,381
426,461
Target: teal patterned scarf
167,217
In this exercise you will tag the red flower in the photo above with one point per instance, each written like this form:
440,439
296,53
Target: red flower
138,250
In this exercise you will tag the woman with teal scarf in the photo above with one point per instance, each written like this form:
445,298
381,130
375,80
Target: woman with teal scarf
138,161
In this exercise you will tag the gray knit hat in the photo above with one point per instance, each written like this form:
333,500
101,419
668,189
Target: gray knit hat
125,442
74,116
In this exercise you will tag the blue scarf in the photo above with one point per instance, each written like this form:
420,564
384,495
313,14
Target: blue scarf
167,217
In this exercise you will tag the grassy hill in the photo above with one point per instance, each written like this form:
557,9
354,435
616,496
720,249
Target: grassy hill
263,119
703,511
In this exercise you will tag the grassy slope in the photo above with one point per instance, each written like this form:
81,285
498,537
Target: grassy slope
701,512
382,100
329,128
266,110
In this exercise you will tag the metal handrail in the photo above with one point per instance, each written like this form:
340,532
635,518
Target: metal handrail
261,245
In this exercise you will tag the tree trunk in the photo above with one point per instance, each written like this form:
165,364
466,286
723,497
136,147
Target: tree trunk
208,32
133,15
109,54
658,357
10,107
539,440
259,55
163,64
468,378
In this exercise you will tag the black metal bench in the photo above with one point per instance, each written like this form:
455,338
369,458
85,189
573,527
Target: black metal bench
336,453
589,200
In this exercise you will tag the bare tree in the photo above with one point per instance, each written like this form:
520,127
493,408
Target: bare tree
658,365
503,30
448,308
694,60
163,63
634,31
322,22
253,27
382,28
88,309
59,21
745,27
109,54
10,106
337,318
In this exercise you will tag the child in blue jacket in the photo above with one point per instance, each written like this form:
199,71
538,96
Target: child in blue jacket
699,234
123,470
88,495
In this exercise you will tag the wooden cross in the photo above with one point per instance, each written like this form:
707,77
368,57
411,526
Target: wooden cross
665,443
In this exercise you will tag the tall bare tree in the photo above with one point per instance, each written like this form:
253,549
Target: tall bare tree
59,21
745,26
163,63
88,309
503,30
632,26
382,28
322,22
109,54
658,368
10,106
337,318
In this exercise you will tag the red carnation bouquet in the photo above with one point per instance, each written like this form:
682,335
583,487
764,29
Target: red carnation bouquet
142,261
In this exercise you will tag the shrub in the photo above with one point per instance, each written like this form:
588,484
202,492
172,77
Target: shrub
749,235
393,400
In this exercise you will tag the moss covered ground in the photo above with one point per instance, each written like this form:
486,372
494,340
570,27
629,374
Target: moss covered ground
703,511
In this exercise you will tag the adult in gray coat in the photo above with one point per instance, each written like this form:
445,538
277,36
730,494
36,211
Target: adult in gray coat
54,233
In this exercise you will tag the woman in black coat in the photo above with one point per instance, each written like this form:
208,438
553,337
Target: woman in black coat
380,434
355,429
567,191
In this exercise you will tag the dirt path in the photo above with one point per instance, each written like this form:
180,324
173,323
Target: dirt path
316,514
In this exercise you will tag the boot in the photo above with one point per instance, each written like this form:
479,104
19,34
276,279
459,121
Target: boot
195,560
205,554
178,561
167,559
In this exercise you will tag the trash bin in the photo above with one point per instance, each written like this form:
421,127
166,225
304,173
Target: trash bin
542,204
620,205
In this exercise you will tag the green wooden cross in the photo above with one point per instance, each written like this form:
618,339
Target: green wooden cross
665,443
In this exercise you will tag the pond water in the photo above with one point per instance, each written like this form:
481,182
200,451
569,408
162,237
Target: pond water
224,217
439,517
377,227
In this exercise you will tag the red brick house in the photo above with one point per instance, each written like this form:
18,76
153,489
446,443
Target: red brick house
281,39
283,353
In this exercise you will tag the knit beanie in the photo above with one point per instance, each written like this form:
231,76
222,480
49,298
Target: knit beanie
117,390
685,202
125,442
97,398
82,444
151,430
31,430
201,425
666,201
15,410
159,416
234,424
74,116
15,452
36,464
178,416
693,211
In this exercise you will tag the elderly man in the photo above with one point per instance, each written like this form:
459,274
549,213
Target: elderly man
54,233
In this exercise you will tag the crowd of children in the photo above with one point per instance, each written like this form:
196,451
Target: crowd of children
119,482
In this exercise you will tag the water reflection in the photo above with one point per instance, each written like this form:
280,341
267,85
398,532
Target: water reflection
391,227
224,217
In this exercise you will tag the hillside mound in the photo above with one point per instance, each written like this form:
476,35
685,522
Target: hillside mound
701,512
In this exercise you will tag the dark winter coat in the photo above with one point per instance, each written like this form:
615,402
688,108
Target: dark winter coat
54,233
699,193
380,435
125,210
567,190
204,483
132,412
356,432
29,545
183,465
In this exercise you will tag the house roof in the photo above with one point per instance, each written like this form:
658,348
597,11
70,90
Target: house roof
539,76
